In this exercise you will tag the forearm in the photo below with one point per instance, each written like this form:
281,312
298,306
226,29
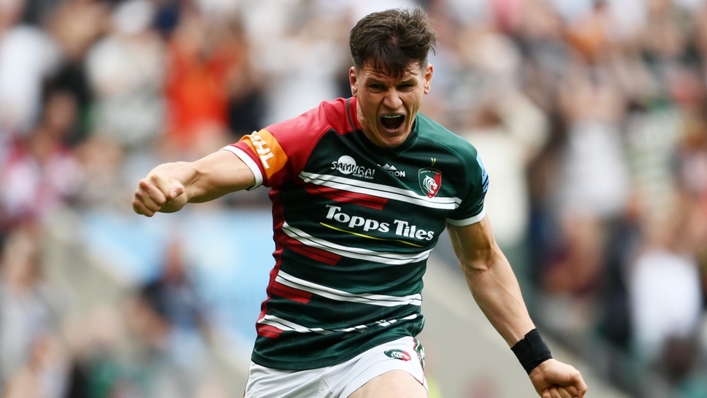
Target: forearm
210,177
496,291
491,280
170,186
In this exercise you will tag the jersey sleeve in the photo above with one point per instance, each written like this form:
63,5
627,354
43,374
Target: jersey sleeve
472,208
278,153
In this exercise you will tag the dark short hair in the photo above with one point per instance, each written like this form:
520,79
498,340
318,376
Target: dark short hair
393,39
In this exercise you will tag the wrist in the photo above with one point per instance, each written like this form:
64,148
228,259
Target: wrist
531,351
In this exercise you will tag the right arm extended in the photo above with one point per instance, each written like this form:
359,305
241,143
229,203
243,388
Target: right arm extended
169,186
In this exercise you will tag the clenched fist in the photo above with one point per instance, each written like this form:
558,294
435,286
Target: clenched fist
162,190
554,379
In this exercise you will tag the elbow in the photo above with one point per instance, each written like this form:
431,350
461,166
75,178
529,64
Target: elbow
476,266
482,262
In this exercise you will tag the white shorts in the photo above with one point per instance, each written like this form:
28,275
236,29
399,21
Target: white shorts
338,381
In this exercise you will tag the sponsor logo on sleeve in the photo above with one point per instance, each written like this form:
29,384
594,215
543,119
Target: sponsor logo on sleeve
430,181
272,156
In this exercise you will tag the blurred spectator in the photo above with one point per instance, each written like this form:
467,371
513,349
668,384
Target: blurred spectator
507,129
593,176
309,79
36,12
27,55
167,13
592,185
30,307
126,70
539,33
246,96
201,58
666,299
76,25
171,319
44,373
100,363
172,295
40,174
102,160
508,133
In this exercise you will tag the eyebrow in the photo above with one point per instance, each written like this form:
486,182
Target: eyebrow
374,80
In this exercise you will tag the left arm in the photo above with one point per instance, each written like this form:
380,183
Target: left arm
491,280
495,289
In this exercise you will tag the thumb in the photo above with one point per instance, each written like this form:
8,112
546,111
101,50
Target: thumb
175,191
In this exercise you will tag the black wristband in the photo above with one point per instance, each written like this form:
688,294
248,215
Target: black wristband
531,351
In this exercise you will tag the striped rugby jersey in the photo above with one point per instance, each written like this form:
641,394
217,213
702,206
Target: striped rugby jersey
353,225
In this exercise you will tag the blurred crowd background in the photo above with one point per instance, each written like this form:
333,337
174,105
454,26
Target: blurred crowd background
590,115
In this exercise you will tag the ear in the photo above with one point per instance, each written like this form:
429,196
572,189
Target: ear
353,80
429,70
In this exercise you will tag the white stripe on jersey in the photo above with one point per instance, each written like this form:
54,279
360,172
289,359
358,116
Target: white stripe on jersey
283,324
380,191
286,325
354,252
340,295
470,220
249,162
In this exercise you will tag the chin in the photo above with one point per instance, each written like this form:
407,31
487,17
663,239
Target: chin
393,141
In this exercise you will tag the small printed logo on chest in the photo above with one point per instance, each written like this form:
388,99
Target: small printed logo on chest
347,165
392,170
430,181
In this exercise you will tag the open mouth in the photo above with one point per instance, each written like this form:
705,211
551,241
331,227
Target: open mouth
392,122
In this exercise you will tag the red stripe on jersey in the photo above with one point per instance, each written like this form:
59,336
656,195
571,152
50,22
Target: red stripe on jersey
268,331
278,221
293,294
296,138
311,252
347,196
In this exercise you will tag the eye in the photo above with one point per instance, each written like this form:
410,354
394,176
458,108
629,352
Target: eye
375,87
406,87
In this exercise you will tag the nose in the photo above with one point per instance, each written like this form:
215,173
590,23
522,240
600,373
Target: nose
392,100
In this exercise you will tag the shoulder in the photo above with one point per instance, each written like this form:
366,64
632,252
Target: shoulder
458,152
334,114
438,135
280,151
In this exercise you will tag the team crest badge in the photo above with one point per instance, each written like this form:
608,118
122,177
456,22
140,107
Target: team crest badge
430,181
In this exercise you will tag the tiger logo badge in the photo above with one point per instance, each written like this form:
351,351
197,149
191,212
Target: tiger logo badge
430,181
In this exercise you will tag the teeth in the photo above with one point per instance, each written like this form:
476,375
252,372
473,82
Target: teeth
392,116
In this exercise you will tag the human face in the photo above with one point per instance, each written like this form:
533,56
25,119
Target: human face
387,106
